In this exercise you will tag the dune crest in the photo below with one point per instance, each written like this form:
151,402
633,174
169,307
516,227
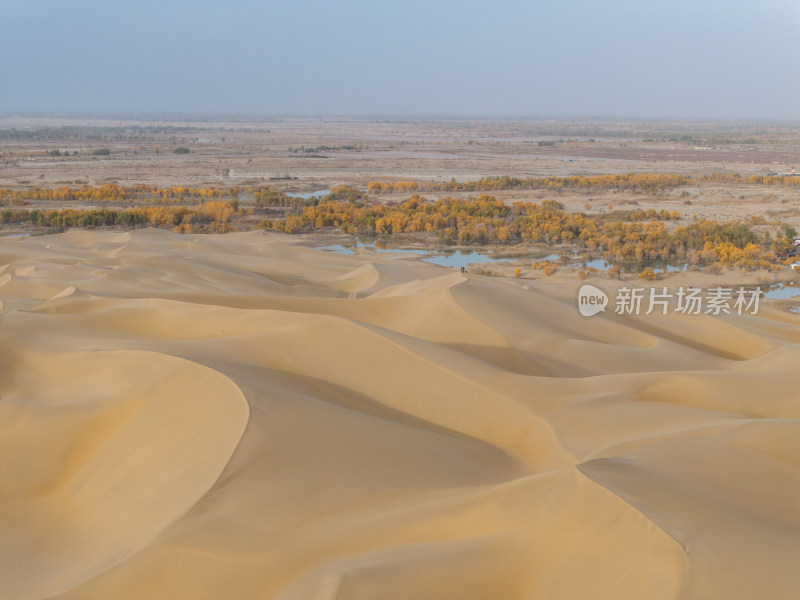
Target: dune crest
103,450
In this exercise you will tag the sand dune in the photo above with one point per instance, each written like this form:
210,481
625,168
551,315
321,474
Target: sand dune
240,416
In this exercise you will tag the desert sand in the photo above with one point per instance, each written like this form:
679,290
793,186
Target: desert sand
242,416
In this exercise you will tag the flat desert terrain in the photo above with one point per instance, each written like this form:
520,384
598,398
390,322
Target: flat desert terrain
242,416
297,155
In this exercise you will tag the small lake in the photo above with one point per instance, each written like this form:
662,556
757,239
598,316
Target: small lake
598,264
461,258
373,245
781,292
307,195
336,248
339,249
446,258
603,265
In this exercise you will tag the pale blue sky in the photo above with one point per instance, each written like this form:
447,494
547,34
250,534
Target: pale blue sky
678,58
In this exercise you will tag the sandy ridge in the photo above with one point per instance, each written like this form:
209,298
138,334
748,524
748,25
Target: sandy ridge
300,424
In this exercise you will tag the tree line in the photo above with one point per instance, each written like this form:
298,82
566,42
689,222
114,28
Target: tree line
646,182
487,220
640,236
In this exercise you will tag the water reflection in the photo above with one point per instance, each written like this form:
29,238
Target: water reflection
781,292
307,195
447,258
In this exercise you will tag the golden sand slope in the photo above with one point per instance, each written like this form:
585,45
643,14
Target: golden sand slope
239,416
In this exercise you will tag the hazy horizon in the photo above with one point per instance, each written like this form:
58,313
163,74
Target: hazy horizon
684,60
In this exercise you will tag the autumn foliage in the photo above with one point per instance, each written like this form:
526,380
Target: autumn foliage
623,237
210,216
486,220
648,182
114,193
